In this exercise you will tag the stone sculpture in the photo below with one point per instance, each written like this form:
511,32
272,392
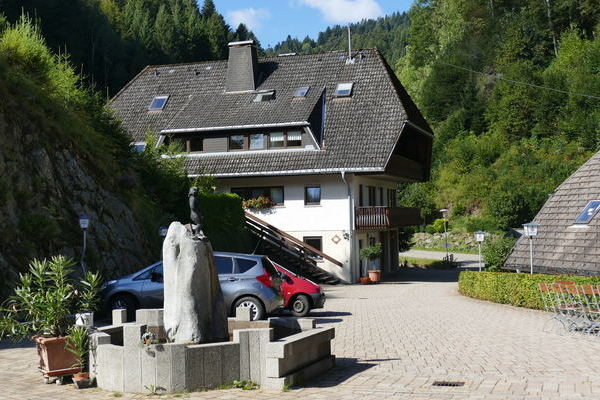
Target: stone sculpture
196,214
194,309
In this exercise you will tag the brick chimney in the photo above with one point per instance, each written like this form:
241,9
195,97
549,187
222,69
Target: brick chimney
242,67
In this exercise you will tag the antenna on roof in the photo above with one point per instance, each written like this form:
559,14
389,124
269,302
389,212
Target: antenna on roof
350,60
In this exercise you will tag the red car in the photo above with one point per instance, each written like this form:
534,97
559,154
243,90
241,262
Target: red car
299,294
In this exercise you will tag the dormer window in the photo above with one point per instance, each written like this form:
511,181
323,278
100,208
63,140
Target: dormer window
158,103
301,92
590,210
265,95
343,89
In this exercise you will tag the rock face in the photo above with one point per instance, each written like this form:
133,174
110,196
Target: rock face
194,309
45,185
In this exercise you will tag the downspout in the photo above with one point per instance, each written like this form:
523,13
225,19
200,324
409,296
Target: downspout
350,224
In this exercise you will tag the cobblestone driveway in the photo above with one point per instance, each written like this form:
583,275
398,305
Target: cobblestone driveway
393,340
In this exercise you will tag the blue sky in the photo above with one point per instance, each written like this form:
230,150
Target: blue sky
273,20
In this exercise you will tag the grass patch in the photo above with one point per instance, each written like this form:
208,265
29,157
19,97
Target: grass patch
443,250
426,263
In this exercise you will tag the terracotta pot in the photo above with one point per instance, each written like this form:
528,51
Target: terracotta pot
53,355
365,280
375,275
81,376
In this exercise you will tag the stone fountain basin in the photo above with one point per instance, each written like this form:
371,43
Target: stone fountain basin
274,353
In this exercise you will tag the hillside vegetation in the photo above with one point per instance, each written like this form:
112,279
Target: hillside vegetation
503,143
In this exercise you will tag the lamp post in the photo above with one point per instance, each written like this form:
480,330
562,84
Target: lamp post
444,212
531,230
84,223
479,237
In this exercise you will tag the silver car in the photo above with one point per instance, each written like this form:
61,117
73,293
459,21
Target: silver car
246,280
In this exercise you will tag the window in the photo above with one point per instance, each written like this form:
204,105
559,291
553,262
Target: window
361,201
244,265
343,89
236,142
276,140
372,195
224,265
257,141
275,193
138,147
196,145
264,96
391,198
294,139
312,195
301,92
316,242
380,197
588,212
158,103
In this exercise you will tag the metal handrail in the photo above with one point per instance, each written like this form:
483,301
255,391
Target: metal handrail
283,237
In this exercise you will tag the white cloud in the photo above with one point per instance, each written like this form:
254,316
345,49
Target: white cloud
251,17
344,11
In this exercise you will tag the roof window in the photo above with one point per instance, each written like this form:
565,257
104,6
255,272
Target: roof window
158,103
301,92
265,95
588,212
343,89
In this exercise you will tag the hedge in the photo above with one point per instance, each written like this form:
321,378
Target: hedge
224,222
519,290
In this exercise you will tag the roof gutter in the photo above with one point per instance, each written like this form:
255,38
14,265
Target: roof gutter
234,127
292,172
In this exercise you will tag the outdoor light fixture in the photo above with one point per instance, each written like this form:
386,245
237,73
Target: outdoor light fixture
531,230
479,237
84,223
444,212
162,231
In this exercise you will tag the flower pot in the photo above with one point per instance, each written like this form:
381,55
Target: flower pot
84,319
375,275
81,380
365,280
54,357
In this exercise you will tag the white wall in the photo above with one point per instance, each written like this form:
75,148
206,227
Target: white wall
331,219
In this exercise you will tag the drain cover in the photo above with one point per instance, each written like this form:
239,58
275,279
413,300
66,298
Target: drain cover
448,383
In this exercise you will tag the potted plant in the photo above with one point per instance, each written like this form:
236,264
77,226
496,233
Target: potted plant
373,255
89,299
77,342
43,307
259,203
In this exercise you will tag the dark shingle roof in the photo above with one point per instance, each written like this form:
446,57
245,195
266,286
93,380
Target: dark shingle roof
561,246
360,132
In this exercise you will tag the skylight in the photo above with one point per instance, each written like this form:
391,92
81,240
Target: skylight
588,212
158,103
264,96
301,92
343,89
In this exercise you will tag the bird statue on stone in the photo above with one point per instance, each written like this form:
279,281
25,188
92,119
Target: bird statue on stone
196,214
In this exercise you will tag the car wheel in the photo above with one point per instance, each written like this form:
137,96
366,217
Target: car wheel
257,310
300,306
125,302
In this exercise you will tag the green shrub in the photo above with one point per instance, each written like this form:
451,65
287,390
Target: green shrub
519,290
495,251
436,227
224,222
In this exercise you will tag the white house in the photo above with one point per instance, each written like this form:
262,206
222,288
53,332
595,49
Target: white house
327,137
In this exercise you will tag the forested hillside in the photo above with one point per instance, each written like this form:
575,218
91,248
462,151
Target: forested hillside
110,41
388,34
482,73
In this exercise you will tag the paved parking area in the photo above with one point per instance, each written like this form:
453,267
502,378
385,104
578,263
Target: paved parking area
393,340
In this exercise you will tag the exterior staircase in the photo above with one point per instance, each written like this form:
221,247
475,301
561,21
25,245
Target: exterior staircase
291,253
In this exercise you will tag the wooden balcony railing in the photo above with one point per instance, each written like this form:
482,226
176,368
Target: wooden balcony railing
381,217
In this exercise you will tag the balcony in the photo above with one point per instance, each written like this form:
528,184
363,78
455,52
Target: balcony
381,217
